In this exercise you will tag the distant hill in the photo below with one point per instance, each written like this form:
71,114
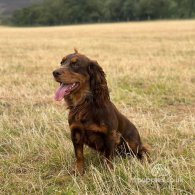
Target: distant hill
7,7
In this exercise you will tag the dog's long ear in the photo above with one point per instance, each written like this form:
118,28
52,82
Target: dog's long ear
98,83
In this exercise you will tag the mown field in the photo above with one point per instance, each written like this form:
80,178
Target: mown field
150,69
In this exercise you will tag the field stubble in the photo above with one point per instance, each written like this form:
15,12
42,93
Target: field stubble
150,70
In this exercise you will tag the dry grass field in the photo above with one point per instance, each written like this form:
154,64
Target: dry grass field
150,69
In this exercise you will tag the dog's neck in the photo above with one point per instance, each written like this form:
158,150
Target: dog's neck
87,99
84,104
78,98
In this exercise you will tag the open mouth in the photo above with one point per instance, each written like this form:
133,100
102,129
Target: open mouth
64,90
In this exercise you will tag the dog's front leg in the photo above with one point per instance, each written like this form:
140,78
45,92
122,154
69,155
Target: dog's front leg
78,142
110,147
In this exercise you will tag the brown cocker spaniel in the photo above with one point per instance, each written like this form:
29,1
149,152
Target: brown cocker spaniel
93,118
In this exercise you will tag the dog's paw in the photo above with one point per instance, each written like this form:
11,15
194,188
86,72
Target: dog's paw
77,171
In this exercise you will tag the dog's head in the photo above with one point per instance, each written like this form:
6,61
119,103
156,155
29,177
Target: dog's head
80,75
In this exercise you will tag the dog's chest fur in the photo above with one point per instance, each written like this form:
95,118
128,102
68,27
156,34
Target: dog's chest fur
91,134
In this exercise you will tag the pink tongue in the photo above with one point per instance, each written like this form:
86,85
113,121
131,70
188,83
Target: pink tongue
62,91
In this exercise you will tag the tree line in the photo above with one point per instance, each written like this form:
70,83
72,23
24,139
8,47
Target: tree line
60,12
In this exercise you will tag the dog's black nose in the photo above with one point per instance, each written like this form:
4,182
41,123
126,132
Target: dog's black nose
56,73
